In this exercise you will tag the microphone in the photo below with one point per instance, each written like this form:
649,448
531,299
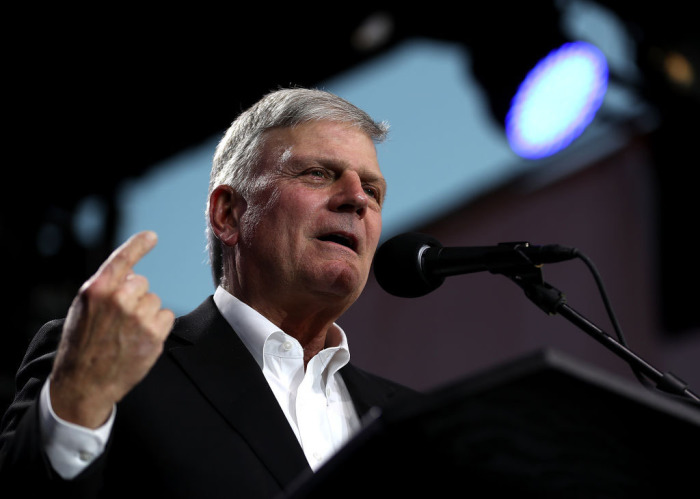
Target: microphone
413,264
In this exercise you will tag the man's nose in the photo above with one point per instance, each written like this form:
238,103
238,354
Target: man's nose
350,195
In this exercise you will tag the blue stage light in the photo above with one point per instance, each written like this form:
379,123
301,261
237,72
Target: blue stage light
557,100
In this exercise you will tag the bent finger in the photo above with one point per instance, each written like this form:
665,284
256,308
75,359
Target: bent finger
164,320
133,288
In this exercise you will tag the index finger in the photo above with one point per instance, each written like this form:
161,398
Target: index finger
122,260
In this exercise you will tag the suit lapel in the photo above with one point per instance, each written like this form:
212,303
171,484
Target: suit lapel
228,376
368,391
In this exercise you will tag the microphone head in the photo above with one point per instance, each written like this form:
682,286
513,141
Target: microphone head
399,269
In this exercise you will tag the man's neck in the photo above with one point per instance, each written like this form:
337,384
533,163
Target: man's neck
314,328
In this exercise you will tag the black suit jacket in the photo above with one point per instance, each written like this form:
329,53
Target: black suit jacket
203,423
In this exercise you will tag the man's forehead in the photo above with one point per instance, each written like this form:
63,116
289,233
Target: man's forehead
327,141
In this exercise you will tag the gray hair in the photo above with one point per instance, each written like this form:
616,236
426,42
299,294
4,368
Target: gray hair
237,154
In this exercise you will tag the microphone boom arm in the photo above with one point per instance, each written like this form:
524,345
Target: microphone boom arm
552,301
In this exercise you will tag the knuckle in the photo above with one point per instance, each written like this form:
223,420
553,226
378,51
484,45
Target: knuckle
92,291
153,300
120,298
147,306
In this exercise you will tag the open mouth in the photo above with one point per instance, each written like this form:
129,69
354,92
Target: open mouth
343,240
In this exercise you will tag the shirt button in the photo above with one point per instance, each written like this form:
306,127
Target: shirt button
317,456
85,456
287,346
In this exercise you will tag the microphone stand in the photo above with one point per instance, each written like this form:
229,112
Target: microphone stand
552,301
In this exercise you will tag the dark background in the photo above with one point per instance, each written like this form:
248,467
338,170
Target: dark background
100,94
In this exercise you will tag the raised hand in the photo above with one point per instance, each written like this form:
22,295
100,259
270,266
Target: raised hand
113,334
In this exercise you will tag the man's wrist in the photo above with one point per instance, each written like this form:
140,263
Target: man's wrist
70,447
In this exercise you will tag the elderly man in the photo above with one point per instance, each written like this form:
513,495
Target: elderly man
254,388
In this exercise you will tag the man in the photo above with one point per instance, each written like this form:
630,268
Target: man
252,390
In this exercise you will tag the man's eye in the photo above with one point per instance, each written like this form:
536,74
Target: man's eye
317,173
373,192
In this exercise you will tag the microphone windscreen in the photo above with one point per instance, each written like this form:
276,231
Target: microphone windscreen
398,266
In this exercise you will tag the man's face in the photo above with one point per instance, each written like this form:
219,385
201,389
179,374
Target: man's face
314,224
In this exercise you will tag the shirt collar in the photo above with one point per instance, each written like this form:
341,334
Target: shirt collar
254,329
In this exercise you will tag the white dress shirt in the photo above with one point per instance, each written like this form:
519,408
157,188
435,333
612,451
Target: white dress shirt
314,400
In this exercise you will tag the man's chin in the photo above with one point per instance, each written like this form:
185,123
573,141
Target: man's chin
342,280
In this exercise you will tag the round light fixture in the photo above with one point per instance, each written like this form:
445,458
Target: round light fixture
557,100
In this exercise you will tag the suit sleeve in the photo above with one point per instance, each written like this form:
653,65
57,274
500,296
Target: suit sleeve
24,465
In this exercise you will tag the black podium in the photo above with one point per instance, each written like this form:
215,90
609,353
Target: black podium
545,426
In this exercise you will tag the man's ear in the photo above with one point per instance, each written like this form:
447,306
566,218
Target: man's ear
226,207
